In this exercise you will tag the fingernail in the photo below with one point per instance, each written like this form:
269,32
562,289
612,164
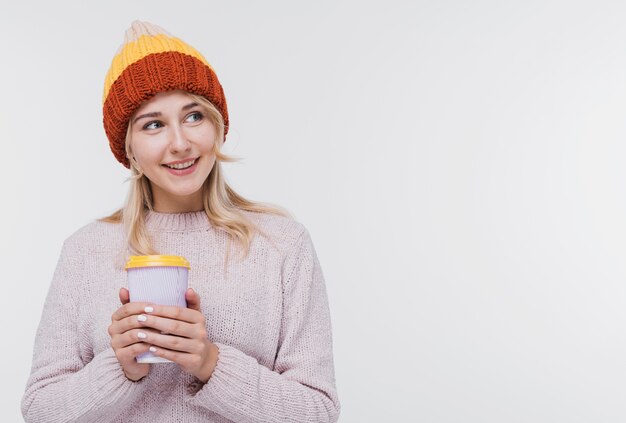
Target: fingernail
152,349
142,318
149,309
141,335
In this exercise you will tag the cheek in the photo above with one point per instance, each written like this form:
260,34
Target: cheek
146,150
206,135
211,147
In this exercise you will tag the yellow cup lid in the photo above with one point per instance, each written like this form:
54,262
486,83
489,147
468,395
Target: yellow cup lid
155,261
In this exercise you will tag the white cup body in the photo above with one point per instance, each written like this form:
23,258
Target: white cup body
163,285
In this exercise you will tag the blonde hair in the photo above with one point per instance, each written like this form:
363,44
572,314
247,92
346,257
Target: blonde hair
221,203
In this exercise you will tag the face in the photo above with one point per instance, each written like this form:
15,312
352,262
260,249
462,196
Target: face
171,131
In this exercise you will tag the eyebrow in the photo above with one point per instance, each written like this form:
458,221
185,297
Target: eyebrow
157,114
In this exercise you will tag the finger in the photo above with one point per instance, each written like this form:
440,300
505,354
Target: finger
180,358
193,299
134,315
118,327
127,324
173,343
127,355
130,309
170,326
130,337
177,313
124,296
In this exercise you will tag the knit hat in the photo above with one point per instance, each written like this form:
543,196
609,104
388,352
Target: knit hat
149,62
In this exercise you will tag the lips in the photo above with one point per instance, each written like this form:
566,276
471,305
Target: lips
185,171
190,161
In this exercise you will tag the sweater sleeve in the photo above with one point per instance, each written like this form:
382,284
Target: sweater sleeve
301,386
61,387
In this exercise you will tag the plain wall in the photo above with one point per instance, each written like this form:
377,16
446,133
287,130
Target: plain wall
459,165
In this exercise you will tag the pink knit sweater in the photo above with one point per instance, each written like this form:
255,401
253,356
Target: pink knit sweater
268,314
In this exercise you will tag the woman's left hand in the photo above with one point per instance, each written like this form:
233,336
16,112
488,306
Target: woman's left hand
179,335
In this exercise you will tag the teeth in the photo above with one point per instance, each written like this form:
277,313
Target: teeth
181,165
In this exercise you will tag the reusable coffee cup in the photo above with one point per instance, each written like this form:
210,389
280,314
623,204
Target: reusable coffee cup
160,280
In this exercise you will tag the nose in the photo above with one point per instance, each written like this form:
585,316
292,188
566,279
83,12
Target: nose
179,141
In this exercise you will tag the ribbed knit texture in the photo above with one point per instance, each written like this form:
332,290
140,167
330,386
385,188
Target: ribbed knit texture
268,314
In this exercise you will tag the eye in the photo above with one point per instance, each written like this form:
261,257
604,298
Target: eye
194,117
152,125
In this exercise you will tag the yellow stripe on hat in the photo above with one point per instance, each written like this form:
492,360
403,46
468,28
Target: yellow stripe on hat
145,45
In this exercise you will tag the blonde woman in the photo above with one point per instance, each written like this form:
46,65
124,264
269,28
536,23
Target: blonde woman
253,344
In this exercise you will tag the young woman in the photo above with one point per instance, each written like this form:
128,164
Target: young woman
254,343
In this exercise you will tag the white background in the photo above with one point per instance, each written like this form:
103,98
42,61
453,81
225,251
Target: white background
459,165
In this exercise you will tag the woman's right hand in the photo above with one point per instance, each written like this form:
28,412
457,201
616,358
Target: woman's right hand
124,340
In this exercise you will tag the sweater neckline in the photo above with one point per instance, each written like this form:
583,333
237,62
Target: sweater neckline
179,222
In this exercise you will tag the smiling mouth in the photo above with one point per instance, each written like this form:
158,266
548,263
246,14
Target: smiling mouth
182,166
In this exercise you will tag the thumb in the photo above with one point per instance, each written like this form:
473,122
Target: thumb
193,299
124,296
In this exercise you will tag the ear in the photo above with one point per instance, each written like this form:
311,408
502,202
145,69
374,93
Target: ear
130,156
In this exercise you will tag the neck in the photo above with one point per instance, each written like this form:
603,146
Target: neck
167,203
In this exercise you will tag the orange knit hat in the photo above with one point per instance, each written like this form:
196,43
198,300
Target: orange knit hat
149,62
